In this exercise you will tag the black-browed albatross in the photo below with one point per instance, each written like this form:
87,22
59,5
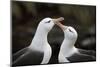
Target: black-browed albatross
68,52
39,51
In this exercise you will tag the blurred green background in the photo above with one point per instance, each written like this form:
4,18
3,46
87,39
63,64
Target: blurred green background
27,15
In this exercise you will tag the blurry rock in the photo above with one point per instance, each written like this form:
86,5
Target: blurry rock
89,39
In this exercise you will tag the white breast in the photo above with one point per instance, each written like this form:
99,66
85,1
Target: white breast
47,54
62,58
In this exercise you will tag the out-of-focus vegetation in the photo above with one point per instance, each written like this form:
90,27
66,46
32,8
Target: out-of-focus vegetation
27,15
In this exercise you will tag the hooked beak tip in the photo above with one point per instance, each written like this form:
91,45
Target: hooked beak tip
58,22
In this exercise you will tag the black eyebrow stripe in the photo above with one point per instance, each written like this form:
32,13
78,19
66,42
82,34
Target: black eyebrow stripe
70,30
48,21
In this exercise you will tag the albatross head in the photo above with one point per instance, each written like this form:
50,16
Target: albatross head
48,23
69,32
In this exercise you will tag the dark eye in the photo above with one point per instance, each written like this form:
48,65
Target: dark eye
48,21
70,30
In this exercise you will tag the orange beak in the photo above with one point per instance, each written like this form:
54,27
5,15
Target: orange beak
58,23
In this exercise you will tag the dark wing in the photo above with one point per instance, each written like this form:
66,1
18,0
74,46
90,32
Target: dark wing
29,58
19,53
78,57
87,52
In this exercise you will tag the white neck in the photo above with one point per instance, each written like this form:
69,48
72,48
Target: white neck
67,47
40,40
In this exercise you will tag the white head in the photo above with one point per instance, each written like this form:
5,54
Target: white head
48,23
69,32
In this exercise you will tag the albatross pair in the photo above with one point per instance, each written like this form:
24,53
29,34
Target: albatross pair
39,51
